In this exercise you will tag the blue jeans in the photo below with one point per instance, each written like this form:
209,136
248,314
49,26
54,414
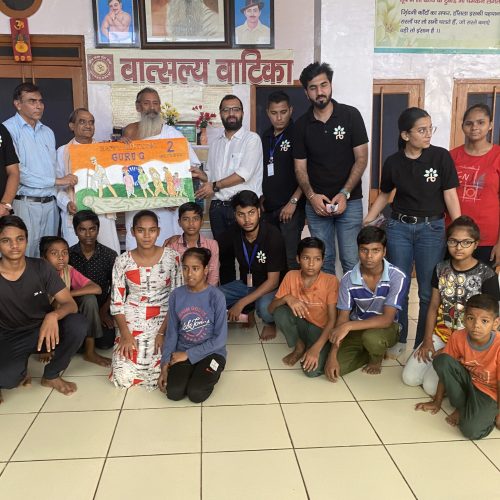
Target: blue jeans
424,245
236,290
221,217
345,226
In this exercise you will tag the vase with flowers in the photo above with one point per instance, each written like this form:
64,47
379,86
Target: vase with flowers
203,121
169,114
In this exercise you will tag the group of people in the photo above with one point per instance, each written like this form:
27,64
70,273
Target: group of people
165,303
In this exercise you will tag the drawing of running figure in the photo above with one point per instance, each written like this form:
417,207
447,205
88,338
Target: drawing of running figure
169,180
144,182
128,180
178,184
158,184
100,179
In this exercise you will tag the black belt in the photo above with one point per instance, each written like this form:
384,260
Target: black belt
413,219
38,199
220,203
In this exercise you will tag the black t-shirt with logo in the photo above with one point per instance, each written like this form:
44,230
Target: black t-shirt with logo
419,182
279,187
328,148
8,156
269,257
25,302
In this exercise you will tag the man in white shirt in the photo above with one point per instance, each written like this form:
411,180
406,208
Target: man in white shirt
151,126
252,32
82,124
234,164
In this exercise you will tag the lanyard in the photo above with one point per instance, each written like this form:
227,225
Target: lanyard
245,252
272,147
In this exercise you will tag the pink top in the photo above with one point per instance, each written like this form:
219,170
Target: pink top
213,266
78,280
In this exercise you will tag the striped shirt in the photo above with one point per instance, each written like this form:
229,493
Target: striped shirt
357,297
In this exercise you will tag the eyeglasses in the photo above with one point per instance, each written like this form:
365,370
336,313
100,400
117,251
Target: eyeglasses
235,109
425,130
452,242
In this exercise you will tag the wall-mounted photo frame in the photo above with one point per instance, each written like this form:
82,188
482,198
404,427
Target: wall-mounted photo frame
185,24
253,24
16,8
116,23
188,130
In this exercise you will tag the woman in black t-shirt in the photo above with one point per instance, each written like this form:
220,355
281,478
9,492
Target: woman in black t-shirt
424,180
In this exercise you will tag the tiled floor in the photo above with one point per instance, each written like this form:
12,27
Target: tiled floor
267,432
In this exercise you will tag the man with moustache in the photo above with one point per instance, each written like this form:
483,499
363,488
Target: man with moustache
331,153
234,163
82,123
151,126
35,143
252,31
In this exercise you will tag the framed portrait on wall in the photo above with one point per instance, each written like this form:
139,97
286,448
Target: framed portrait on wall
253,23
19,8
115,23
182,24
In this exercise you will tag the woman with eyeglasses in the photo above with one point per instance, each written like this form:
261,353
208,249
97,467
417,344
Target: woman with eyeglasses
424,181
478,167
454,281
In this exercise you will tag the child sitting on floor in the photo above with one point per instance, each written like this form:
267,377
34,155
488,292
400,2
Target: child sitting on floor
194,351
453,282
304,308
469,371
55,251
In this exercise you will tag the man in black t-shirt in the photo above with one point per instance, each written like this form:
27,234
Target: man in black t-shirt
281,195
331,152
28,320
260,251
9,171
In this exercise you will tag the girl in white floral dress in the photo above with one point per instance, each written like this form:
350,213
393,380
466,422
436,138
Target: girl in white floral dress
142,282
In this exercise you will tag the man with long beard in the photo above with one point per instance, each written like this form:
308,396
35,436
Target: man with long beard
151,126
181,19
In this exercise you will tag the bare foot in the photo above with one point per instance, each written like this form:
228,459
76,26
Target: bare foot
60,385
292,358
93,357
453,419
26,382
268,332
45,357
373,368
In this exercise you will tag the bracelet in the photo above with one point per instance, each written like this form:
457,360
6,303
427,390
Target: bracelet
311,196
162,334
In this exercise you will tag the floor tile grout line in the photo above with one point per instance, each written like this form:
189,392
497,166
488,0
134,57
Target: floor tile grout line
27,430
484,453
201,450
287,429
110,443
386,450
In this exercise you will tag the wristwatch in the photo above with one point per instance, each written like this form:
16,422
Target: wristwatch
214,187
293,201
346,193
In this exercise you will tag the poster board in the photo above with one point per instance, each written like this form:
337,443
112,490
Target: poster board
118,177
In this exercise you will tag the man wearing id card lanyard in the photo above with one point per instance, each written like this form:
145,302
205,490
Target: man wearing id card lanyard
234,163
282,199
260,251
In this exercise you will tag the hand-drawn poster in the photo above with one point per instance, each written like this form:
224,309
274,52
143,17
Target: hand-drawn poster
118,177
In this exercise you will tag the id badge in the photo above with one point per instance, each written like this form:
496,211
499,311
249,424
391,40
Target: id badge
214,365
249,280
270,169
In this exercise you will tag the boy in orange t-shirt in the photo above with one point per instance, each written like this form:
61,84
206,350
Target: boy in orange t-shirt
469,371
304,308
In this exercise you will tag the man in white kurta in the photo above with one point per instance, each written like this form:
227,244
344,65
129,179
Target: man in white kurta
81,123
151,126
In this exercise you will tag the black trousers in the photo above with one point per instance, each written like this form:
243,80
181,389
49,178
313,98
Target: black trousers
16,348
197,381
